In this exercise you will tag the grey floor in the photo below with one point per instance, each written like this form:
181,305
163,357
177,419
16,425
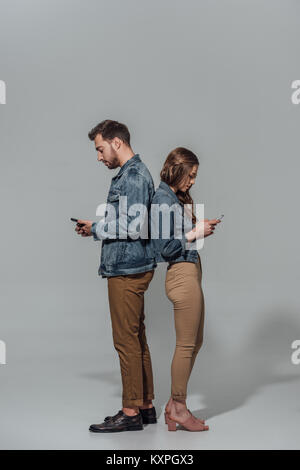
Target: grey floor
62,373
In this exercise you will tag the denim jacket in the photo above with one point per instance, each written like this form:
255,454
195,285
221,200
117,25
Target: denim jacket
174,248
121,254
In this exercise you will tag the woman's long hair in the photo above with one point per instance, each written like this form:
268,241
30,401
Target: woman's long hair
176,169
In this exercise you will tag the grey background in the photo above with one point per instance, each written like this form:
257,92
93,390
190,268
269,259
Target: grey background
214,76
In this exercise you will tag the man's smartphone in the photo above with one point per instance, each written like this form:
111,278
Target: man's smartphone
76,220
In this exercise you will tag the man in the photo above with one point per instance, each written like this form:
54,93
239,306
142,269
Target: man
128,263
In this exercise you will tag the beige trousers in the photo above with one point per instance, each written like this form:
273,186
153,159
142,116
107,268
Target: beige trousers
184,290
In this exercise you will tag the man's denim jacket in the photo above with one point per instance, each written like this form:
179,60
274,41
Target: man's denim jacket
121,254
174,247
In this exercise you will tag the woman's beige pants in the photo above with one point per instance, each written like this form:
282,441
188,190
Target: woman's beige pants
183,289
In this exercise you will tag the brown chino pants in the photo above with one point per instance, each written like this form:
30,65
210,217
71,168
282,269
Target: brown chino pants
126,302
183,289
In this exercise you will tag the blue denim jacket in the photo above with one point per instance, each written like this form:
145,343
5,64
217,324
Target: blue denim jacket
171,249
124,255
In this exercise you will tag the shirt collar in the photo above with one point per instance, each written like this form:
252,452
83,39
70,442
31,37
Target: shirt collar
136,158
166,187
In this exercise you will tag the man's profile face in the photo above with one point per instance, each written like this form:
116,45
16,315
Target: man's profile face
106,152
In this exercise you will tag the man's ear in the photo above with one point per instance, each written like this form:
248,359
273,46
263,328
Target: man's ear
116,143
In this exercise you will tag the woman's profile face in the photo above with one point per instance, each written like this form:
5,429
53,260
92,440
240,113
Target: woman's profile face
188,182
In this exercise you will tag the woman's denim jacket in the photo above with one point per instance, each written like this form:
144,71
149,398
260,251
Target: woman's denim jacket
125,255
174,247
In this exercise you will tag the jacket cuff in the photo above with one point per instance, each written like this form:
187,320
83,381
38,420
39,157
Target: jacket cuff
183,242
93,230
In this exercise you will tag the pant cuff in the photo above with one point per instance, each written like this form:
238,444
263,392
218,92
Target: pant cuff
178,397
127,403
150,396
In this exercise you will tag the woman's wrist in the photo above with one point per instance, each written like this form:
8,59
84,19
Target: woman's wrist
190,236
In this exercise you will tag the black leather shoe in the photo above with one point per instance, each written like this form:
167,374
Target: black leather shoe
121,423
148,416
109,418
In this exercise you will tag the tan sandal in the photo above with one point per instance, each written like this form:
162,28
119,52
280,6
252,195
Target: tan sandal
189,424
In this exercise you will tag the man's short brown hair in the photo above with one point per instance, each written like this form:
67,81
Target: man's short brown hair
111,129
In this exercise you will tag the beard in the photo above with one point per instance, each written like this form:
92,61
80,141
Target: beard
113,161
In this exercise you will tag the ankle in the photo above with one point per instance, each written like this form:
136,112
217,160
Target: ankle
179,406
169,403
146,405
131,411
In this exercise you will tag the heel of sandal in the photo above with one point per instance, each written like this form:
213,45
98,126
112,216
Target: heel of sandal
171,424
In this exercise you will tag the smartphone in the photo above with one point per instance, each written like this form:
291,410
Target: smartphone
221,217
76,220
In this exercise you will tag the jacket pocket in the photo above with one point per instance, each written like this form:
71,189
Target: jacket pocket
113,196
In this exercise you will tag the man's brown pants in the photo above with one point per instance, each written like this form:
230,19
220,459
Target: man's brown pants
126,302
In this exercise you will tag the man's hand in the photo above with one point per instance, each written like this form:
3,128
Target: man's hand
83,228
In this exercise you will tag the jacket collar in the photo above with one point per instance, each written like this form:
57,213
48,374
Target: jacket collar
165,187
133,160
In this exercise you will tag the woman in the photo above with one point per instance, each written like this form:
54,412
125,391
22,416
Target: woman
183,278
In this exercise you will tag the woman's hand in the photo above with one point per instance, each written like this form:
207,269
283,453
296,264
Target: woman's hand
203,229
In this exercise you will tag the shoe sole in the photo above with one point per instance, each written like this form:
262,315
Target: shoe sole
145,421
150,421
140,428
